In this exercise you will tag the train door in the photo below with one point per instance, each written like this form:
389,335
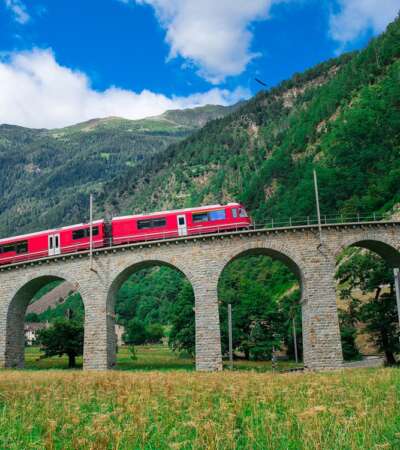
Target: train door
182,227
54,244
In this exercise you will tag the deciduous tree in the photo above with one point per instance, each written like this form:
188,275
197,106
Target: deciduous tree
63,337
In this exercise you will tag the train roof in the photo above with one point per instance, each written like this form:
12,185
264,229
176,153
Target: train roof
51,230
174,211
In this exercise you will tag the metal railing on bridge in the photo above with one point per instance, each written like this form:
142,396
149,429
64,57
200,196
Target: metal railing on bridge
329,219
193,232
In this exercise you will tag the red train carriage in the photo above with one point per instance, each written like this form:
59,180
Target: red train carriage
50,242
144,227
181,222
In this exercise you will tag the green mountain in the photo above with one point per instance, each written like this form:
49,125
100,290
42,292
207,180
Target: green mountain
47,174
341,117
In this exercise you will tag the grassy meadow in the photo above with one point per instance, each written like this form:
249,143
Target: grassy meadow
149,357
353,409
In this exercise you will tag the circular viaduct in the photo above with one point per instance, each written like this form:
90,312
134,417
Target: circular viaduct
201,259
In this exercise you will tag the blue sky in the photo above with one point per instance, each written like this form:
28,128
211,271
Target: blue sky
61,64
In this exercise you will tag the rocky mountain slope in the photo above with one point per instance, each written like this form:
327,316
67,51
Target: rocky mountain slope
341,117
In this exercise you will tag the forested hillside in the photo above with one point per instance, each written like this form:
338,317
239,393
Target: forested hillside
46,175
341,117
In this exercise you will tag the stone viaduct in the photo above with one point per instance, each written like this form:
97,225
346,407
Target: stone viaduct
201,259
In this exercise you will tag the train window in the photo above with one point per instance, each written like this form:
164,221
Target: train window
234,213
78,234
210,216
143,224
159,223
9,248
151,223
22,247
84,233
242,212
200,217
181,221
217,215
18,247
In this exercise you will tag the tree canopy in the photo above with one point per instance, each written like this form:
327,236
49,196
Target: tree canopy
363,272
62,337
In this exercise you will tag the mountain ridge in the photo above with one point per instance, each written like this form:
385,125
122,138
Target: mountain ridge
206,112
48,174
262,153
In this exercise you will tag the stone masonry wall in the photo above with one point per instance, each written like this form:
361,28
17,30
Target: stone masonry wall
202,261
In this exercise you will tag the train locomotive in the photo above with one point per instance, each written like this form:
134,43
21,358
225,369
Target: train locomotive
124,230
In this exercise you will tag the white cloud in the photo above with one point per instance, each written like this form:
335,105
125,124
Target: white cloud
38,92
213,35
355,17
19,10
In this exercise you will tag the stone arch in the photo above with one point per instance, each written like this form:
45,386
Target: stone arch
381,245
275,251
118,277
16,309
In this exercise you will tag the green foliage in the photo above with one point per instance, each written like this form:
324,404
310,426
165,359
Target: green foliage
132,353
135,332
72,304
264,298
348,334
32,317
139,298
154,333
260,290
381,319
369,273
63,337
263,339
182,333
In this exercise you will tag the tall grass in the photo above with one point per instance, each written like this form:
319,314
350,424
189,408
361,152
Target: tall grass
354,409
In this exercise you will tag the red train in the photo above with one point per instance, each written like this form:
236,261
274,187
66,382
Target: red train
124,230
